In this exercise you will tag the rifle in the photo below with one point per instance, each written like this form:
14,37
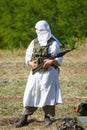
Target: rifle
60,54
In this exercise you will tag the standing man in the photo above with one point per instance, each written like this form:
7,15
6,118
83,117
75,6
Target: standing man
42,89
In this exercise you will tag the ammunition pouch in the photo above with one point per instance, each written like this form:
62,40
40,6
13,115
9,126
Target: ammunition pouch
40,60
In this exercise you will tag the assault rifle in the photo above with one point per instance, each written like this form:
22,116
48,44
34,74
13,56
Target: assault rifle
60,54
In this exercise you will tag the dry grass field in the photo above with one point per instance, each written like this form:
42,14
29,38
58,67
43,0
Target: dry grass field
13,77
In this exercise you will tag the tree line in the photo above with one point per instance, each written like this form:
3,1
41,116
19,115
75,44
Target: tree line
67,19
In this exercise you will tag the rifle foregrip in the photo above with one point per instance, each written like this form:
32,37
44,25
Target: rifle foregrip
34,70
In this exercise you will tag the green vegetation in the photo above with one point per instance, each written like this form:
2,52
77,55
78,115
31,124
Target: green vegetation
67,20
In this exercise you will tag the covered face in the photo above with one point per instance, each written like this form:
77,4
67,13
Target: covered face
43,32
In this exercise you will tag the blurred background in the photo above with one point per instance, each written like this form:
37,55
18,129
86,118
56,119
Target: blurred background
67,19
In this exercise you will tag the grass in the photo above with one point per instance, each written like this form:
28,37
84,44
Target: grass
12,88
10,109
13,78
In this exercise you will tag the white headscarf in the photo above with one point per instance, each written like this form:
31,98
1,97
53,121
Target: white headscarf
44,33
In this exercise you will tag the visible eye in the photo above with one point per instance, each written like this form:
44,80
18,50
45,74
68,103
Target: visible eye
40,29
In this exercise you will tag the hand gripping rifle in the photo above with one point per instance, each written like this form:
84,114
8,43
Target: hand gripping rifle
60,54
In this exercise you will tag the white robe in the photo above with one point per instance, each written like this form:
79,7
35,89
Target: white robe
43,87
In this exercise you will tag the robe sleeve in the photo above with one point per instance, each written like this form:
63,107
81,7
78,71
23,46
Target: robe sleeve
54,49
29,52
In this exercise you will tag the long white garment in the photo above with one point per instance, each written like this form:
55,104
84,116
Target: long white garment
43,87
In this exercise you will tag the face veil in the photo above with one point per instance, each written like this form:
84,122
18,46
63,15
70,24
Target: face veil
43,32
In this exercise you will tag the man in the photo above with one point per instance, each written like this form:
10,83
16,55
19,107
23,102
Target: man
42,89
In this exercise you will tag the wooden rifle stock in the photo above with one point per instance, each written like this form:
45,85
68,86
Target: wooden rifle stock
60,54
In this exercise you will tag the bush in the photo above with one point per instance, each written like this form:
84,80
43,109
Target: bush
67,20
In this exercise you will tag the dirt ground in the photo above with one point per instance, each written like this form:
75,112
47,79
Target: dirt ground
73,80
